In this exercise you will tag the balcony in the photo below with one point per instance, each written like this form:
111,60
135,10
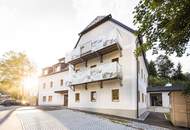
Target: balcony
100,73
92,49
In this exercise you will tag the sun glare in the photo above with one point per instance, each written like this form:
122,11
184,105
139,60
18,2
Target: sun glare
30,82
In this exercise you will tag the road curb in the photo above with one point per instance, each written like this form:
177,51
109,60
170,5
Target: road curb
7,115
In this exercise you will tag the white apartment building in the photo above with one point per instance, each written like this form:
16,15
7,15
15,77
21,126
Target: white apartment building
103,74
52,88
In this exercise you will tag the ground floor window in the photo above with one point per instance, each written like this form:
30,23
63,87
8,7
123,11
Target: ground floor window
115,95
156,99
93,96
142,97
49,98
77,97
138,96
44,98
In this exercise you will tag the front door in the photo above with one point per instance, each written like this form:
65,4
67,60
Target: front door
156,99
65,100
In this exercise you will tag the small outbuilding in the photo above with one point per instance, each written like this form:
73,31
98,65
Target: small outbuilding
180,108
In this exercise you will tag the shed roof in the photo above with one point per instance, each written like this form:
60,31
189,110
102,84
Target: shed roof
166,89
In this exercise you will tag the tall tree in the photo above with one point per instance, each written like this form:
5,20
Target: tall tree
178,75
165,24
165,66
13,68
152,69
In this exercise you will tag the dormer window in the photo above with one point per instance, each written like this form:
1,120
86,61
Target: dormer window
57,68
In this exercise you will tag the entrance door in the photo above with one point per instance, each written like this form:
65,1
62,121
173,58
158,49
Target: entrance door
65,100
156,99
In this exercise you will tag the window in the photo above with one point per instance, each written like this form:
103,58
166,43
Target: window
139,96
44,98
51,84
44,85
77,70
156,99
93,96
61,82
138,66
142,97
141,73
49,98
115,60
92,66
115,95
77,97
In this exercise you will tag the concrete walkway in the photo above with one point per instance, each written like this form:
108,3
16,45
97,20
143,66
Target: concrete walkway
156,118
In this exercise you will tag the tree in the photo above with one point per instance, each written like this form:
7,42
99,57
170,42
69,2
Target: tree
152,69
165,24
178,75
165,66
13,68
187,76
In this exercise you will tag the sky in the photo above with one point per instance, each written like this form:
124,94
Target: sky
48,29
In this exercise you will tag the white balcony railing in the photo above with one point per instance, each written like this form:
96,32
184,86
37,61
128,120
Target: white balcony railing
89,47
102,72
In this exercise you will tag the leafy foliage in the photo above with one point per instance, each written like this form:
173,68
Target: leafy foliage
13,68
165,24
178,75
161,72
152,69
165,66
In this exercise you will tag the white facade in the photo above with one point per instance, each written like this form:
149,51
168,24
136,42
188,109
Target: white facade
103,73
47,90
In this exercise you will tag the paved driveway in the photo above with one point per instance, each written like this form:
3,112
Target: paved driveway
30,118
156,118
64,119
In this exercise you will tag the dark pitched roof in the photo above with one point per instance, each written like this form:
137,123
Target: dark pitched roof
101,19
166,89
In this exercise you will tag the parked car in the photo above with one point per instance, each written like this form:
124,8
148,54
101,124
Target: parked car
9,102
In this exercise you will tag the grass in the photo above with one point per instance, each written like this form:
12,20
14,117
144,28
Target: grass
167,115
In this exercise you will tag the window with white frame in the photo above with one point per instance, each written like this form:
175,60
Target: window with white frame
44,98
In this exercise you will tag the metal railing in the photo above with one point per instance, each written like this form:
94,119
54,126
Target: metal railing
101,72
89,47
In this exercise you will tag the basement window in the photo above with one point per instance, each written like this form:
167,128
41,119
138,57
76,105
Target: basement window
115,95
